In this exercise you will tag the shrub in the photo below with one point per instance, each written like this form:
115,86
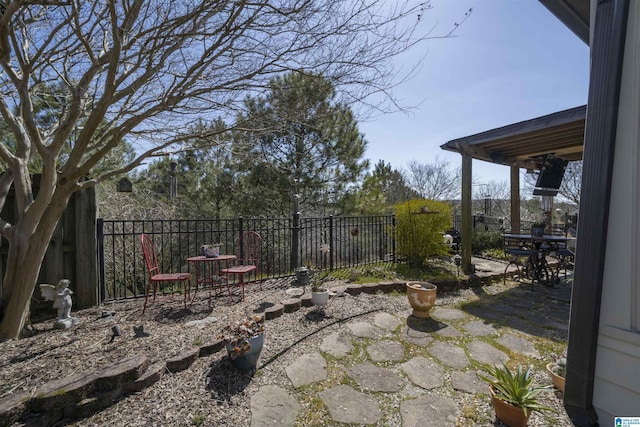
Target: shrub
420,224
485,240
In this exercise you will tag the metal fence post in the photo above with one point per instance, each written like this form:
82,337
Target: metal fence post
102,286
295,240
393,237
331,247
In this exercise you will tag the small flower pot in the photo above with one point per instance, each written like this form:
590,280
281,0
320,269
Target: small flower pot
557,380
512,416
320,299
248,360
211,251
422,297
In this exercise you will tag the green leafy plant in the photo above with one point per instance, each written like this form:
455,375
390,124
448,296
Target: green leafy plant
516,388
317,283
560,367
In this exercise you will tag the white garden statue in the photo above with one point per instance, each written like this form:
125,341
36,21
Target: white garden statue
61,297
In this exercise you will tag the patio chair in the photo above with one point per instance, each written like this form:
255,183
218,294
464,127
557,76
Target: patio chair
521,254
249,248
155,276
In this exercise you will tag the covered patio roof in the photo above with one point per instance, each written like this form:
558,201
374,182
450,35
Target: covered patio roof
524,144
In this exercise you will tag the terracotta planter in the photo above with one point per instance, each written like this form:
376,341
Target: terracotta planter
320,298
512,416
249,360
422,297
557,380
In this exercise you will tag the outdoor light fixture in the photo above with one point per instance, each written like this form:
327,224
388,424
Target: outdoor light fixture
124,185
457,259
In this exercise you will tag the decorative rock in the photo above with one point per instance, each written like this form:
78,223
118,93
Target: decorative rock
467,382
424,372
448,313
478,328
374,378
334,346
416,337
519,345
486,353
386,351
150,377
182,361
347,405
353,289
209,349
429,411
65,391
307,369
305,301
274,311
364,330
370,288
386,321
291,305
202,322
449,354
449,331
273,406
387,287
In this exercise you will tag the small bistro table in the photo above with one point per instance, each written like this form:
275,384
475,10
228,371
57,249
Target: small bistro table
207,271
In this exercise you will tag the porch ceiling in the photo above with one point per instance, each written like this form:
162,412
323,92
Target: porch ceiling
525,143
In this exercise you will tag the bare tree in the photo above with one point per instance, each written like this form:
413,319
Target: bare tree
147,69
436,181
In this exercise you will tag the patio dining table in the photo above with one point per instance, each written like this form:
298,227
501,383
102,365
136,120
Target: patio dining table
207,272
538,268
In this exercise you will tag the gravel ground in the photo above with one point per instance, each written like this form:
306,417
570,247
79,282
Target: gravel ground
211,392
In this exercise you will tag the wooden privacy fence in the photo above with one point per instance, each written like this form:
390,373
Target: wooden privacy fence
72,250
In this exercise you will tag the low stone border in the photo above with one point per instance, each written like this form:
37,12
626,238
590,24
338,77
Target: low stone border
81,395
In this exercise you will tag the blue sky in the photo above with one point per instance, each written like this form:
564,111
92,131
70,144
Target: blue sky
511,60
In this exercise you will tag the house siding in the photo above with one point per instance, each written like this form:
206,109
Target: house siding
616,390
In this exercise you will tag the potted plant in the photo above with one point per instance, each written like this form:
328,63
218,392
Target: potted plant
513,395
211,251
537,228
557,371
319,292
244,339
422,297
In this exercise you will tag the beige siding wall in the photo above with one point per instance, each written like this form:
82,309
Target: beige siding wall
617,375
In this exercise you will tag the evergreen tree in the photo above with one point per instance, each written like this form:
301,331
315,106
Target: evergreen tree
299,140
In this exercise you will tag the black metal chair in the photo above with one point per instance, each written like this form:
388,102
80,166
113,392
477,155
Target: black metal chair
521,253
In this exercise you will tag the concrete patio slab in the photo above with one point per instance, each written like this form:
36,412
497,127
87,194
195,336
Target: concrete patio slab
424,372
386,351
307,369
347,405
373,378
429,411
273,406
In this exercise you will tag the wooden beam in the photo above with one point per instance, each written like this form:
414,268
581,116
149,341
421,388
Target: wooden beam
515,199
466,212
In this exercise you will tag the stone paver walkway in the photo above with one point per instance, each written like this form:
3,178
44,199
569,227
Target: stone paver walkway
428,364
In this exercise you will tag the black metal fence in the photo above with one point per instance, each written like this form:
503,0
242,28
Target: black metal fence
327,243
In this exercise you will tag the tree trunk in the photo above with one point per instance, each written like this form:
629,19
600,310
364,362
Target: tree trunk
26,253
